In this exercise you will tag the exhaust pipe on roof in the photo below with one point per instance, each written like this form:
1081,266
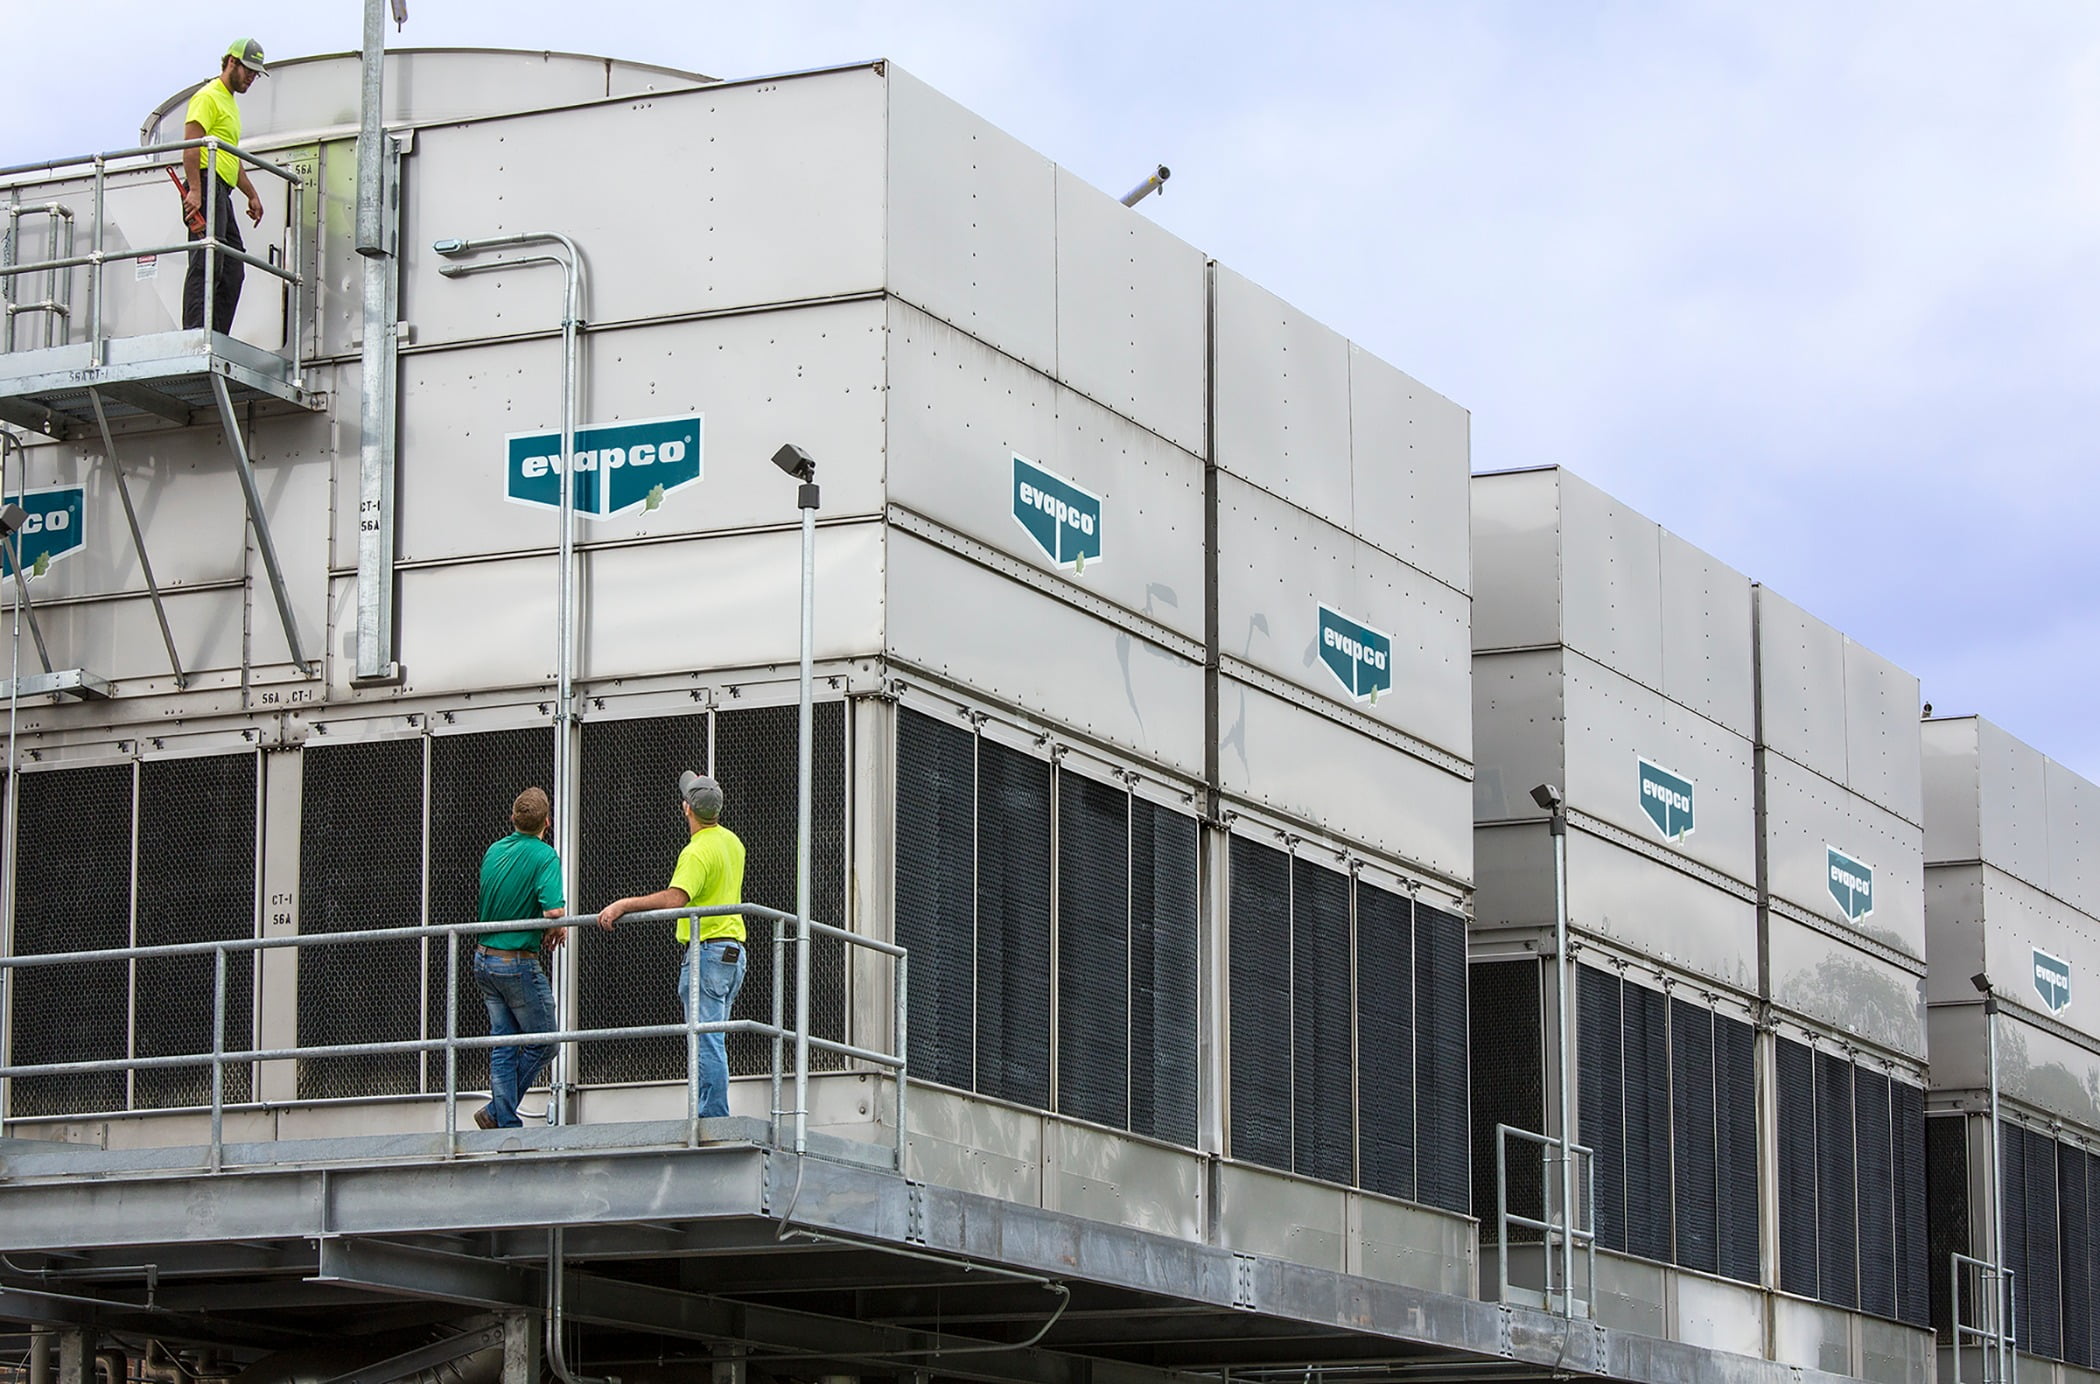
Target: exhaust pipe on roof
1146,188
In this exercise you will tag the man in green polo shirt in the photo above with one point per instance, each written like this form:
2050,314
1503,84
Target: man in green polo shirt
212,112
709,874
520,879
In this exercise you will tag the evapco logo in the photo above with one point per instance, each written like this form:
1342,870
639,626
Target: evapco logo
620,467
1851,884
53,530
1064,519
1360,657
1667,800
2052,980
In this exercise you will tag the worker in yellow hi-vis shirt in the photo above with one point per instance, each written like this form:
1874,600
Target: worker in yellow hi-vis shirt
709,874
212,112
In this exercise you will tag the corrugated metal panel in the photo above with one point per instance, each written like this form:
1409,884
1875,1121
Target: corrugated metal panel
1385,1025
1837,1223
1913,1297
1735,1131
72,893
1693,1146
1508,1020
631,832
1013,925
1093,949
2073,1195
2032,1200
197,851
1647,1057
1163,979
1323,1060
936,873
360,866
1796,1102
1442,1075
2012,1175
1260,937
1600,1119
1874,1135
1947,1194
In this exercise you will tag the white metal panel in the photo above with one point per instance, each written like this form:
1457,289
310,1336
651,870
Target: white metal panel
2049,1071
1811,1335
1659,912
1516,559
1283,400
1805,815
121,639
1298,762
1718,1314
1278,564
1517,731
1283,1217
1706,644
1120,1180
2019,920
1957,1038
1611,574
1953,931
2013,792
1614,723
1410,464
1821,978
1949,767
1399,1242
971,223
1881,733
998,638
2074,838
1513,875
1129,313
1801,665
721,197
959,411
974,1145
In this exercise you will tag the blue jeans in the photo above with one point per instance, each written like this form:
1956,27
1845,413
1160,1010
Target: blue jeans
720,979
519,1000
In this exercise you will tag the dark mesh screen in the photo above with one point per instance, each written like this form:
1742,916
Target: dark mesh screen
936,889
1093,950
196,863
1874,1133
1798,1257
360,866
2033,1199
72,893
756,759
1013,925
2012,1169
473,780
2075,1242
1600,1119
1441,1071
629,834
1163,892
1837,1225
1260,971
1693,1149
1647,1058
1322,1062
1947,1199
1509,1085
1385,1040
1735,1133
1907,1116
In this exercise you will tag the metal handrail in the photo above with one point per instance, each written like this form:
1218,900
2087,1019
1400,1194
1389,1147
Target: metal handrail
1997,1335
220,1057
99,257
1564,1227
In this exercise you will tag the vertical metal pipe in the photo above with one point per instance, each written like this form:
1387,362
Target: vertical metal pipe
565,655
452,1042
1564,980
375,518
901,1020
371,236
2000,1298
9,446
808,502
218,1059
692,1030
208,173
95,273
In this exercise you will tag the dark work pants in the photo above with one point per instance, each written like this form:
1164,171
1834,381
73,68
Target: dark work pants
227,272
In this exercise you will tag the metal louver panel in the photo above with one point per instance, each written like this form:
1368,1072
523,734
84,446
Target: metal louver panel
473,781
1735,1133
1013,925
72,893
1600,1117
1874,1135
1385,1031
1163,982
2075,1241
755,759
1837,1221
2012,1172
2033,1199
1323,1061
1796,1117
1442,1075
360,866
936,889
1260,969
196,864
1913,1297
1647,1059
1093,950
1693,1145
629,834
1947,1197
1509,1083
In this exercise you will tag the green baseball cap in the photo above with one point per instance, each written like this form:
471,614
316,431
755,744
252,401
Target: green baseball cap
249,54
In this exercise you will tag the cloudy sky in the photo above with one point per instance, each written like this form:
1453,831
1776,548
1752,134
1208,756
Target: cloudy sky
1815,285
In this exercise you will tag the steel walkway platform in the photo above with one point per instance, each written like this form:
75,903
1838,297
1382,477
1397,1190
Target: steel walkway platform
166,376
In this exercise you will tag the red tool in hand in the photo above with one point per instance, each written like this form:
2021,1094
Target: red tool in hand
192,219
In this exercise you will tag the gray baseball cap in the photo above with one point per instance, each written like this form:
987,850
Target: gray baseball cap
702,794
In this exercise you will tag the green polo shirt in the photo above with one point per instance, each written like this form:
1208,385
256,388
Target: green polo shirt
213,108
520,878
711,872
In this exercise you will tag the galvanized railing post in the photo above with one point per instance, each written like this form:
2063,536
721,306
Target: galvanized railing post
452,1042
779,1019
218,1059
897,1040
1502,1212
692,1032
95,279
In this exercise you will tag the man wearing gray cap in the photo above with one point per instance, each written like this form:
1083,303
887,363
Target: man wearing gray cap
709,874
